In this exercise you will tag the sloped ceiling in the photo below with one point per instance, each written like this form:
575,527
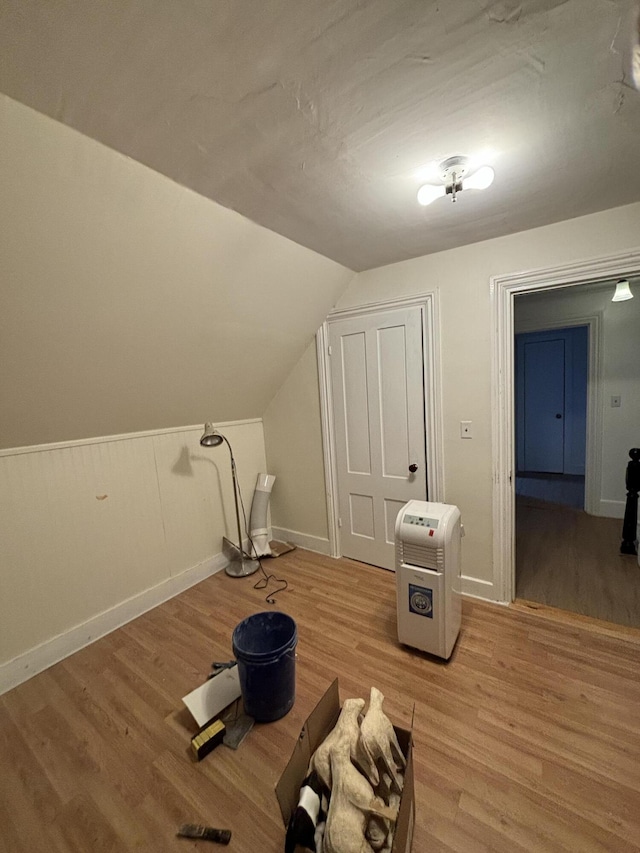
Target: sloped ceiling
130,303
312,117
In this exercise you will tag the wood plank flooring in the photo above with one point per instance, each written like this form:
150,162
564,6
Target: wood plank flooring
527,740
571,560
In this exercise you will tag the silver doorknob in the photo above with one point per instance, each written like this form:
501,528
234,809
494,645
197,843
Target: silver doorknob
413,467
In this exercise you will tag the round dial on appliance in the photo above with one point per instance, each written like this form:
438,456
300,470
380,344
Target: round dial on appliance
420,602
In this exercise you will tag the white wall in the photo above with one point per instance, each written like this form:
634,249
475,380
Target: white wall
127,303
94,533
130,303
462,278
620,376
294,412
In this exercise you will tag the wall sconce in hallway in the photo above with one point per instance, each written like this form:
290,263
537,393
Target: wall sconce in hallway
623,291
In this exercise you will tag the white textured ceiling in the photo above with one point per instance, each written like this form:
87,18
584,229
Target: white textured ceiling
311,117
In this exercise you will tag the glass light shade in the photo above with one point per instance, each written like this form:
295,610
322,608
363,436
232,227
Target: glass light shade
623,291
429,193
480,180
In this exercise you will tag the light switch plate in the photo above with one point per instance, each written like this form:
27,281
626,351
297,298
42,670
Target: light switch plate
465,429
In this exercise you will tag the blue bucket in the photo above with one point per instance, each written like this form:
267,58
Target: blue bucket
264,647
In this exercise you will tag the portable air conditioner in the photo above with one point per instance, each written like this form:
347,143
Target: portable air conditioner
428,576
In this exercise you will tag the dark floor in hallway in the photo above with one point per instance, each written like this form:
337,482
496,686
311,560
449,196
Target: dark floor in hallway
571,560
565,489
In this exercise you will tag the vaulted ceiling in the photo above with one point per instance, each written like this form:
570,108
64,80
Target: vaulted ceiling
314,117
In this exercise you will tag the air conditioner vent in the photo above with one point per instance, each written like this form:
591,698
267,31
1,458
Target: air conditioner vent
426,558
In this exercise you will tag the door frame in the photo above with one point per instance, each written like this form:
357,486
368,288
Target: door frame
429,304
503,289
593,447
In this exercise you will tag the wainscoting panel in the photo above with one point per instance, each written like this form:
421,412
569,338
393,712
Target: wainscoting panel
92,532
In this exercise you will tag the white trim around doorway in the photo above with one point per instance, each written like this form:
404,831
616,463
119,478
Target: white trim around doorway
503,289
429,304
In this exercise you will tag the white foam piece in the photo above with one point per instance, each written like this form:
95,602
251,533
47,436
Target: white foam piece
206,701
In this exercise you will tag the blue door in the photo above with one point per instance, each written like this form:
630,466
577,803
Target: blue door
551,400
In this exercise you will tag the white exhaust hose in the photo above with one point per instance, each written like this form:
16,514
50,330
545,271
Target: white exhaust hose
258,518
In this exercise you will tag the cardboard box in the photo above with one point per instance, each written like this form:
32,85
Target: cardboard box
318,725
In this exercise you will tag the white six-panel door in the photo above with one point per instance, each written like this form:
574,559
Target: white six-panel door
377,384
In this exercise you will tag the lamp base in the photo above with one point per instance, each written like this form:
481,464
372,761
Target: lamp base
239,566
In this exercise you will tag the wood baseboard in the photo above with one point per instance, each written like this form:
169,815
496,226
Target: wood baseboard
41,657
316,544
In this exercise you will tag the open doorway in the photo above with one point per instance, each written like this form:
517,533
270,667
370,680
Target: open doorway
567,537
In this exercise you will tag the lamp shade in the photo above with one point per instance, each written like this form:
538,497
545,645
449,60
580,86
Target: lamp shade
480,180
623,291
429,193
210,437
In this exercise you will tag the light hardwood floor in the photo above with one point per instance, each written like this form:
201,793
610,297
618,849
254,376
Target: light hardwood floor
571,560
527,740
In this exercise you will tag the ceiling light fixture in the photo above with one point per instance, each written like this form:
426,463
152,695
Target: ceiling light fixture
623,291
456,174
